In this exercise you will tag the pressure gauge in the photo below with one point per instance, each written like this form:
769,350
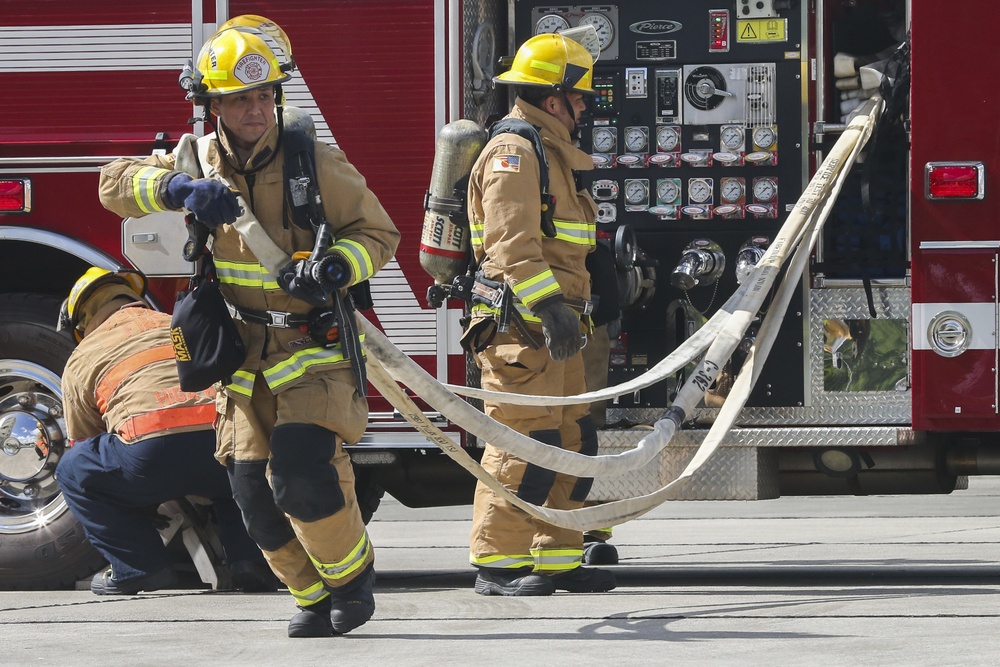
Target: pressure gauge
604,140
699,190
666,138
732,137
602,24
765,189
550,23
763,136
731,189
636,139
636,191
667,190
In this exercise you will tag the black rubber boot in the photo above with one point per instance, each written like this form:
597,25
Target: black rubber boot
312,621
519,582
584,580
596,552
353,606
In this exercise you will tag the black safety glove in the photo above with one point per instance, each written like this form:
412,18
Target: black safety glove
296,279
561,327
211,202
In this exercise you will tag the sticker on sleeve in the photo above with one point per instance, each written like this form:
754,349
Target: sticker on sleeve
511,163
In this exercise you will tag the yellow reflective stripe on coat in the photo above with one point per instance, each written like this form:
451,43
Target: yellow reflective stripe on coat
351,563
309,596
557,560
296,365
579,233
357,256
145,181
502,562
245,274
242,383
536,288
476,233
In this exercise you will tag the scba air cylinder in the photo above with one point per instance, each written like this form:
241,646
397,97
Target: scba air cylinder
444,240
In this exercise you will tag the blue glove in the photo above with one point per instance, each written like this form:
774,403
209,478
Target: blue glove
211,202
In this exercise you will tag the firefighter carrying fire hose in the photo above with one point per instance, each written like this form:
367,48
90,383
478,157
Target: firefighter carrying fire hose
139,440
542,268
294,402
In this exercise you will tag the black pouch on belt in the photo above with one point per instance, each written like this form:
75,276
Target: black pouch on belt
207,346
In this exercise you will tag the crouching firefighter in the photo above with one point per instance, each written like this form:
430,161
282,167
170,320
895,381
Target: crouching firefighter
300,394
532,273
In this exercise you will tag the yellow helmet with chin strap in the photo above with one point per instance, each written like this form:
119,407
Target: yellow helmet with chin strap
92,291
552,61
234,60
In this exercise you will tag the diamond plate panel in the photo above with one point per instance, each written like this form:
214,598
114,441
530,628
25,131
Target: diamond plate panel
494,100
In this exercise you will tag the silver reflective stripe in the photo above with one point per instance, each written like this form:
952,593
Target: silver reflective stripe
357,256
309,596
537,287
557,560
295,366
580,233
502,562
245,274
351,563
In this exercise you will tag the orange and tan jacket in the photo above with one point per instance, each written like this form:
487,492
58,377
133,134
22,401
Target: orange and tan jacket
363,231
505,220
122,379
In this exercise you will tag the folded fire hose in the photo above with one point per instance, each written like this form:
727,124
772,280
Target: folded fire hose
717,339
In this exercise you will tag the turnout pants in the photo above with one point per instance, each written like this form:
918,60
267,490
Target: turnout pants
504,536
113,488
293,480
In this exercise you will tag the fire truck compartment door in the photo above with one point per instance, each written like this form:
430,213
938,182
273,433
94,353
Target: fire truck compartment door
954,337
153,243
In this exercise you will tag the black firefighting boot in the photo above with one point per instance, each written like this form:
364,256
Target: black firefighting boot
520,582
312,621
354,605
598,552
584,580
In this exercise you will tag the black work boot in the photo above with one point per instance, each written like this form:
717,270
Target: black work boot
354,605
105,583
584,580
520,582
312,621
598,552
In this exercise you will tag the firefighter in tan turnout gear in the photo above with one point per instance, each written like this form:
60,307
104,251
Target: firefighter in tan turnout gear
541,267
294,402
139,440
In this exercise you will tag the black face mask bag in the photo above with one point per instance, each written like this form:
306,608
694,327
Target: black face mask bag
207,346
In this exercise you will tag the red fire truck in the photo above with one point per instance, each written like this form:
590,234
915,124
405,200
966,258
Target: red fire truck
710,119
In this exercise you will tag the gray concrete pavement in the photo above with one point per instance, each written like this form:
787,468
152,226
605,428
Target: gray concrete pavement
906,580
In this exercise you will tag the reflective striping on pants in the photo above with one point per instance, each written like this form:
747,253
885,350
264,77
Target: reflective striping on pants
296,365
145,181
309,596
245,274
557,560
503,562
113,377
350,563
168,418
361,262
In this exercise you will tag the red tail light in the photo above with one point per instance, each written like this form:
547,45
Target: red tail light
955,180
15,195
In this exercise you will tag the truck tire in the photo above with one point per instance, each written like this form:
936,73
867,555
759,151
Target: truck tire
42,545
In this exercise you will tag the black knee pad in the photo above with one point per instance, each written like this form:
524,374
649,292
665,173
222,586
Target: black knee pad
588,447
266,524
537,482
306,485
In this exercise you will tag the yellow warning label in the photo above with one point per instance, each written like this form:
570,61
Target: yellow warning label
761,30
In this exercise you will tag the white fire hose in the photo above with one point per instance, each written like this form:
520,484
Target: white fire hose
728,326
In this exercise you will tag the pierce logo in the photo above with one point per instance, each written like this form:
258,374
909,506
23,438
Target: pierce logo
655,27
252,68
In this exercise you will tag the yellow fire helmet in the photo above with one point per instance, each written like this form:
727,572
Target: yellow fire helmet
92,291
272,32
553,61
237,59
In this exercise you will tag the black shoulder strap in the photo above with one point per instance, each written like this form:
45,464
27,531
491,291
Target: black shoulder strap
300,162
525,129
